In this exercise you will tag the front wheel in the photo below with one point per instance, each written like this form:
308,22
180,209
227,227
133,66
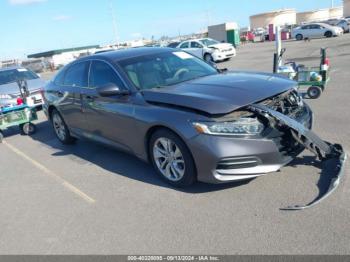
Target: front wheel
208,58
328,34
27,129
299,37
314,92
61,129
172,159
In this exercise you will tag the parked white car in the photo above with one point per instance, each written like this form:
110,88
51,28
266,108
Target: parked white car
316,30
208,49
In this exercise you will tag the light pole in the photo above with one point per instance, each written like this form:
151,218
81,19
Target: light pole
114,22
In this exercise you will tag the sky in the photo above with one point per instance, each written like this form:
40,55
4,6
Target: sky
30,26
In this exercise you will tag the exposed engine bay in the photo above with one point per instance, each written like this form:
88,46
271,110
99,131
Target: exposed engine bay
282,113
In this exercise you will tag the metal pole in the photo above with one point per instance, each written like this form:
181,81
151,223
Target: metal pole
278,41
114,21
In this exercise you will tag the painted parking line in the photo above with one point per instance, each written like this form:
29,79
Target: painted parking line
48,172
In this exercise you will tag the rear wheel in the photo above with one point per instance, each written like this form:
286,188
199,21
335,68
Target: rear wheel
299,37
61,129
328,34
27,129
1,136
314,92
172,159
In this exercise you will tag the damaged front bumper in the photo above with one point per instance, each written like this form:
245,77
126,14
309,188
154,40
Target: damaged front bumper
331,155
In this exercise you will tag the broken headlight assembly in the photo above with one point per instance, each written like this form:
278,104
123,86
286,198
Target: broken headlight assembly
244,126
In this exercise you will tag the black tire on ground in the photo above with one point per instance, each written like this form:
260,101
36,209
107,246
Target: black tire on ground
189,169
299,37
208,58
61,129
1,136
328,34
314,92
27,129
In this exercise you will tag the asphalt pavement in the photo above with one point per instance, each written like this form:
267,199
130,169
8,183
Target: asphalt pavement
89,199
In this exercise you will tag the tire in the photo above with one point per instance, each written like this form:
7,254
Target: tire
179,170
1,137
61,129
208,58
27,129
328,34
314,92
299,37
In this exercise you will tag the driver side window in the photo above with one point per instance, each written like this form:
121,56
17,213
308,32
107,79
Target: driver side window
101,74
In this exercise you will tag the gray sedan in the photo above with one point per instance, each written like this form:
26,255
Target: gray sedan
189,119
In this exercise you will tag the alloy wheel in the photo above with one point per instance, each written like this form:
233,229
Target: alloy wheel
59,127
169,159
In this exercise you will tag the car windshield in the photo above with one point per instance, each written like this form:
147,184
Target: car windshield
9,76
165,69
208,42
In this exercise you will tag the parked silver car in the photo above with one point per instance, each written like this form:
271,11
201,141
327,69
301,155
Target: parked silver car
9,90
316,30
343,23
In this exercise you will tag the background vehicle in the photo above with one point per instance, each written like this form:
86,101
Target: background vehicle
316,30
191,121
173,44
343,23
9,88
36,65
208,49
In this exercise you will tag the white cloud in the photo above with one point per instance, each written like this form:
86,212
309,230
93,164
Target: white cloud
24,2
61,18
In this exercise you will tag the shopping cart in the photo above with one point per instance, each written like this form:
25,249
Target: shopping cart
19,114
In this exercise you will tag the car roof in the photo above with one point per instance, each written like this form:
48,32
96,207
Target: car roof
123,54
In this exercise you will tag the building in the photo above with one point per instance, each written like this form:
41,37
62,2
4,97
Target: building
336,12
346,6
61,57
227,32
313,16
320,15
278,18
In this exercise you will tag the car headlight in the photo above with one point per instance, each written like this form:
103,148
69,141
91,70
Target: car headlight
242,126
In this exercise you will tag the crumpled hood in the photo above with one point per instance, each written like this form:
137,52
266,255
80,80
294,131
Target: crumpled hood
221,93
12,88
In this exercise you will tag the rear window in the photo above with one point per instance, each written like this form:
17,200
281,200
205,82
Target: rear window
12,75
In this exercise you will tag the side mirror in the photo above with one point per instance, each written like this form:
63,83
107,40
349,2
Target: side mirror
111,89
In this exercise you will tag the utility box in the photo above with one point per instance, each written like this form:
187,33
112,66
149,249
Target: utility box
227,32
